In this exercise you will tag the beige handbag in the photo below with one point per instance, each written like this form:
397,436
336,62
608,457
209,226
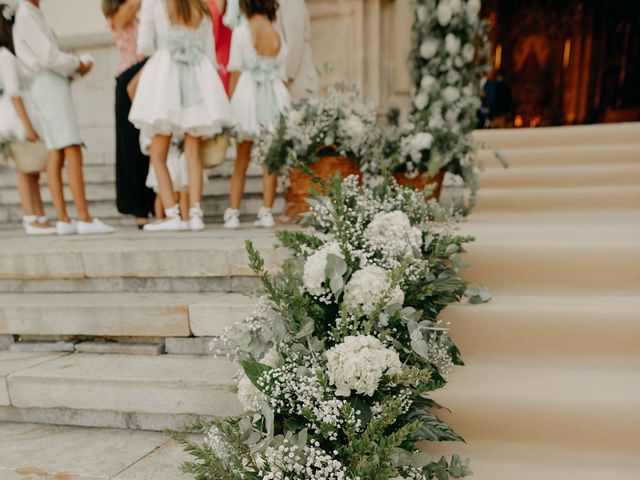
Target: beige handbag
214,150
30,157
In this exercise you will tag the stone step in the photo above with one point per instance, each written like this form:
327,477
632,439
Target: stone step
214,208
122,314
503,460
613,133
523,200
579,155
566,404
127,384
213,253
53,452
589,328
561,176
217,187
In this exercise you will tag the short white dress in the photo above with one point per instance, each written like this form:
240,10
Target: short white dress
11,128
260,95
47,70
179,90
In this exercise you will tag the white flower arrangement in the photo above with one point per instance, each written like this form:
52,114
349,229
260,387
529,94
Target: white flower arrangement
392,234
339,124
358,364
367,288
450,54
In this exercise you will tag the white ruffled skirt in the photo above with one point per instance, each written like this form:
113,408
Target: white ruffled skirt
244,104
159,107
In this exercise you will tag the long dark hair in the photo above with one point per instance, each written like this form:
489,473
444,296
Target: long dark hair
256,7
182,9
6,27
110,7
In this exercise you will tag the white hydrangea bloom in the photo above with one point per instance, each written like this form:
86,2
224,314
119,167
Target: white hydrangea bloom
367,288
451,44
456,6
353,126
315,267
359,363
391,232
429,48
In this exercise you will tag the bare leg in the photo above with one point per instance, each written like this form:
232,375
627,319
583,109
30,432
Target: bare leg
239,174
269,187
157,206
55,161
194,165
36,199
183,200
73,156
26,197
159,151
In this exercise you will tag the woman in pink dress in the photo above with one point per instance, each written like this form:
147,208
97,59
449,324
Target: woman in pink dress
222,37
132,166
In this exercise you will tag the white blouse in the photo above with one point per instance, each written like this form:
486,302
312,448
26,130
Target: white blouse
36,45
9,74
155,24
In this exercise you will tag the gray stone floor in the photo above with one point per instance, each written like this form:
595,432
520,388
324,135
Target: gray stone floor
44,452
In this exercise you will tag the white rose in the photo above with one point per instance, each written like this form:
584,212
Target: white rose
468,52
428,48
473,8
456,6
444,13
421,101
450,94
451,44
427,83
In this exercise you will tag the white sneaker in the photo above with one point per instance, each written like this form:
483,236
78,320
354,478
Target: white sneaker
31,229
29,219
265,218
66,228
95,227
196,223
173,222
232,218
43,219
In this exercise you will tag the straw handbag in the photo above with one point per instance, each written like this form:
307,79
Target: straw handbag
30,157
214,150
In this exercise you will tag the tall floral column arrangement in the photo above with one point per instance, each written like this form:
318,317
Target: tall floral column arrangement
450,53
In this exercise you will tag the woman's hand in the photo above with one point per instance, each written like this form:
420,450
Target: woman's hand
31,135
84,68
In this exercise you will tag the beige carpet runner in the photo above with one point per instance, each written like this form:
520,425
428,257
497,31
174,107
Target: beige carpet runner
551,389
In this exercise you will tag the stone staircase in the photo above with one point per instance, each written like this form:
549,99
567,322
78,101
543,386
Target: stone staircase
112,332
115,330
552,383
100,181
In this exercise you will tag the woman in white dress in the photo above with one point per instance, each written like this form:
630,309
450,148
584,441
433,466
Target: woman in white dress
179,94
259,95
48,71
16,126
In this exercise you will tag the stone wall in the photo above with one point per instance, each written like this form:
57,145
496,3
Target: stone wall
361,42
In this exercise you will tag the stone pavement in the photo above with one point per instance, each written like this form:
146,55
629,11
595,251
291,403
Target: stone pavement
45,452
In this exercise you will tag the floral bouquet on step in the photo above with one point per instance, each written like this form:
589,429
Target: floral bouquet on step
338,125
344,348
